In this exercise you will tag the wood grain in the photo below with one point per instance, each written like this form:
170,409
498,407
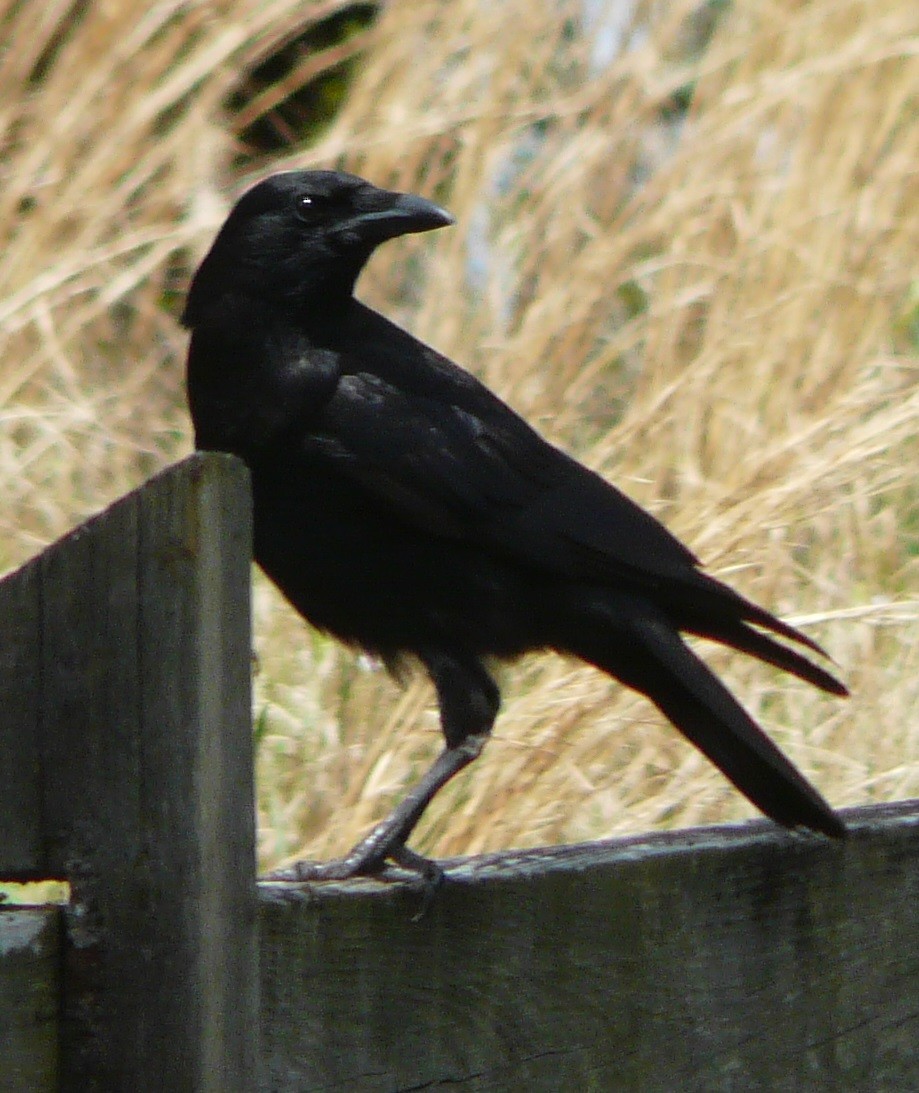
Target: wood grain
132,746
724,959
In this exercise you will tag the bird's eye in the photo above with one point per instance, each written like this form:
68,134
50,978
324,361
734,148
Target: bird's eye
307,206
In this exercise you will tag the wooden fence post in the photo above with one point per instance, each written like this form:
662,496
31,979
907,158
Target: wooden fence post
127,761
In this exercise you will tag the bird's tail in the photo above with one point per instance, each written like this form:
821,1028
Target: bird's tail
657,663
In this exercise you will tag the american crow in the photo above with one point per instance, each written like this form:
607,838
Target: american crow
404,508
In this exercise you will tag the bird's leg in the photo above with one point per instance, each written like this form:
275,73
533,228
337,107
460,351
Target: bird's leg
468,701
387,838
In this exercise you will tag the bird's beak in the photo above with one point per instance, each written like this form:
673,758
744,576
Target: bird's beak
396,214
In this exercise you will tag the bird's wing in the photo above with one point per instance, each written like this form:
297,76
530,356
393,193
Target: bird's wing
443,453
466,466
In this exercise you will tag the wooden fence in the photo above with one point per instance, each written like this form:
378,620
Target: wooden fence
737,958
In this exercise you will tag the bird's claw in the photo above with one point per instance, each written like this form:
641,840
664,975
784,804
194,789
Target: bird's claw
430,874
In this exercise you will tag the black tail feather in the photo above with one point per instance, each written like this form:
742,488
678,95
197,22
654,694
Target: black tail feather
661,666
738,635
719,600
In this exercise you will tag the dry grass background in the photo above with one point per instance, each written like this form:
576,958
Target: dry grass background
719,312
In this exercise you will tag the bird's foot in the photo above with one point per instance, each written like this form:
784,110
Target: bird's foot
372,857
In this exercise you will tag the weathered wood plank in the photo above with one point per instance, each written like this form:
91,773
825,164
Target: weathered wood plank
29,991
195,651
141,722
727,959
21,844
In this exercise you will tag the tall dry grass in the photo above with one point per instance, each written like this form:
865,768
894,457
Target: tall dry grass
714,311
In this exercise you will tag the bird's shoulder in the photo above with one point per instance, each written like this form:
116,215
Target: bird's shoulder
410,422
371,343
419,404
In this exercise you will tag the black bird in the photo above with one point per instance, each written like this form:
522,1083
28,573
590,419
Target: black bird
404,508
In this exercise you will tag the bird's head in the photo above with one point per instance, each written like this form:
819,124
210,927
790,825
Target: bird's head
304,234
